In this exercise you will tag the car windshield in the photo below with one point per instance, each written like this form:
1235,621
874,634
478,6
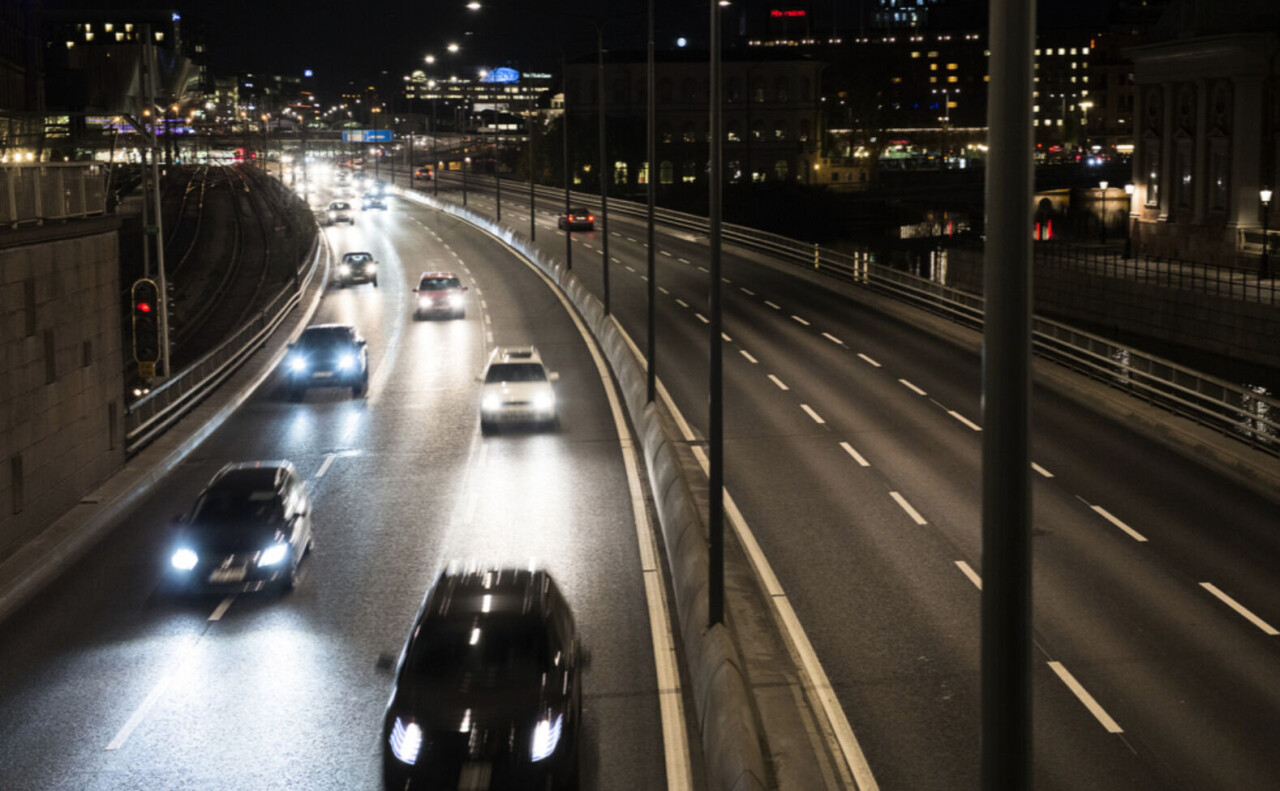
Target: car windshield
438,283
357,258
515,372
238,507
338,206
491,651
327,338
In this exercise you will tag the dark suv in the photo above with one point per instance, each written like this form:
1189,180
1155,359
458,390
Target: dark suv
357,268
577,220
249,529
488,688
328,355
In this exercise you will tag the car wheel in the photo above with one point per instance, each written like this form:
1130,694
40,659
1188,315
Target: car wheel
417,316
460,314
486,427
291,580
375,282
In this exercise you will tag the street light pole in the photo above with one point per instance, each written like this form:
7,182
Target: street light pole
564,128
533,196
1103,186
1265,270
604,169
715,448
651,154
1128,221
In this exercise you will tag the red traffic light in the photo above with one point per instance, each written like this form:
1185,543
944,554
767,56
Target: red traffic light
144,307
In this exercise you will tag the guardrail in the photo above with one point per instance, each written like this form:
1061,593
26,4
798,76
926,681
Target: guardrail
1249,415
153,413
51,191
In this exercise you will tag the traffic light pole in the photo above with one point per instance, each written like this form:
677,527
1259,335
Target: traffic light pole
149,70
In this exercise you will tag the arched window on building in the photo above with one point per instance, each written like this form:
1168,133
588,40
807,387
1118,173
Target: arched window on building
735,171
688,133
690,172
781,130
665,87
733,132
666,173
688,90
733,90
619,172
665,133
782,89
781,169
621,92
806,89
757,130
804,130
757,89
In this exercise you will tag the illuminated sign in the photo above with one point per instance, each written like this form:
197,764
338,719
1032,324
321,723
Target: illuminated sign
502,75
779,13
307,73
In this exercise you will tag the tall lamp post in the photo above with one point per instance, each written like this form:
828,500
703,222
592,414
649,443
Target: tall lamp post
1265,269
1128,220
1102,185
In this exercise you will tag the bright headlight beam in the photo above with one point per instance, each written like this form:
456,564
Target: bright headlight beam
346,362
405,741
273,554
184,559
546,735
297,363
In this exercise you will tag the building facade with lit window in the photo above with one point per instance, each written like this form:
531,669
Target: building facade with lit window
22,82
1206,128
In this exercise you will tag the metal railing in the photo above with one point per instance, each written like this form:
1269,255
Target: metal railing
38,192
1244,413
155,412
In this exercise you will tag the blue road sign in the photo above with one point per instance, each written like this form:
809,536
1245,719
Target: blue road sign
366,135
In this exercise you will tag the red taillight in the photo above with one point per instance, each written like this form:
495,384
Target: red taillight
591,218
570,218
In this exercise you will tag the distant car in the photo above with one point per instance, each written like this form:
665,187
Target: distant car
249,530
439,293
517,388
488,690
328,355
578,220
372,201
357,268
423,174
340,211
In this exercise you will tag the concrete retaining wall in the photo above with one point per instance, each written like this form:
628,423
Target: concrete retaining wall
61,379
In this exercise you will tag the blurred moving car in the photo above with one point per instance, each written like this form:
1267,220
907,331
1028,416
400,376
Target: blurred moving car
357,268
340,211
517,388
328,355
250,529
424,174
372,201
578,220
487,691
439,293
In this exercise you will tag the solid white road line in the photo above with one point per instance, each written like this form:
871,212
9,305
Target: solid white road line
747,354
324,467
1240,608
809,411
152,698
702,318
868,360
770,304
906,506
911,387
964,420
833,339
1041,470
802,321
681,303
781,385
1105,514
1085,698
221,609
970,573
747,291
855,454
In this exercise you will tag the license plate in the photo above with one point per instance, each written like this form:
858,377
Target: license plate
322,374
475,776
227,575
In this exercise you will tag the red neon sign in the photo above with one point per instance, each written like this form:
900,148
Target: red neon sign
787,12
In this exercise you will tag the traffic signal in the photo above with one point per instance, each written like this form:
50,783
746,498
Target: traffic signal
146,321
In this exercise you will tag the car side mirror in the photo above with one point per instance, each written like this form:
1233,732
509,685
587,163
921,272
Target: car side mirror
464,288
362,342
385,663
554,376
480,377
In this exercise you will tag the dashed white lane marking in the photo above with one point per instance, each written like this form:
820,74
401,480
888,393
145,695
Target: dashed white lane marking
632,239
1089,703
1041,470
802,321
664,252
484,304
868,360
855,454
781,384
747,291
221,609
970,573
600,251
726,280
770,304
663,290
702,318
324,466
152,698
629,269
645,278
906,506
615,233
681,303
684,260
747,354
703,269
911,387
1240,608
588,245
488,337
1107,515
726,337
833,339
488,319
809,411
964,420
616,261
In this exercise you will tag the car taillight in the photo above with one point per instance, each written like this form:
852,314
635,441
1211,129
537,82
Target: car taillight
591,218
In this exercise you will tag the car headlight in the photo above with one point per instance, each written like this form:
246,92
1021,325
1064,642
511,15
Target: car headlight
491,402
544,402
405,741
273,554
546,735
369,269
333,213
344,270
346,362
424,302
297,363
184,559
455,300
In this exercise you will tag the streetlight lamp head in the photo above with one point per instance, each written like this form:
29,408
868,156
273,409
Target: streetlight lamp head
474,6
1265,194
452,47
430,59
1102,185
1128,189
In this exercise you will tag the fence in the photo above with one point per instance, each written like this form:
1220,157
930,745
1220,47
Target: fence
45,191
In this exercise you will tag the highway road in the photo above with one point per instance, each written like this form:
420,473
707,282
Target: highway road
853,449
106,683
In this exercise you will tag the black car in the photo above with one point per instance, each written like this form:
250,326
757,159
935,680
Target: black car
488,689
371,201
577,220
328,355
358,268
249,530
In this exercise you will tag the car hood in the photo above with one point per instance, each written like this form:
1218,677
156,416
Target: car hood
439,293
231,539
517,391
486,725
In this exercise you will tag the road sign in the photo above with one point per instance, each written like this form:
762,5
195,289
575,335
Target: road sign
366,135
146,370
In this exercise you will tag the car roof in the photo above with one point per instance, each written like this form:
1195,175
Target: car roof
328,329
515,354
338,204
505,591
357,252
251,475
438,274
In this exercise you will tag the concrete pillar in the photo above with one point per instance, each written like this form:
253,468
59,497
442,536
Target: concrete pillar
1200,152
1246,152
1167,175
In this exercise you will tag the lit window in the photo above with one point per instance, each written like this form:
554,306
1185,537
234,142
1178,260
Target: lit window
953,78
159,36
1062,50
128,28
933,54
933,67
1035,108
952,66
915,54
897,80
1073,64
933,79
1073,50
107,27
1037,52
986,78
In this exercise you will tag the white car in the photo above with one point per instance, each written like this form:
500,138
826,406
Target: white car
517,388
340,211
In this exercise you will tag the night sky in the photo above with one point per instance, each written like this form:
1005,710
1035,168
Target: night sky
356,40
